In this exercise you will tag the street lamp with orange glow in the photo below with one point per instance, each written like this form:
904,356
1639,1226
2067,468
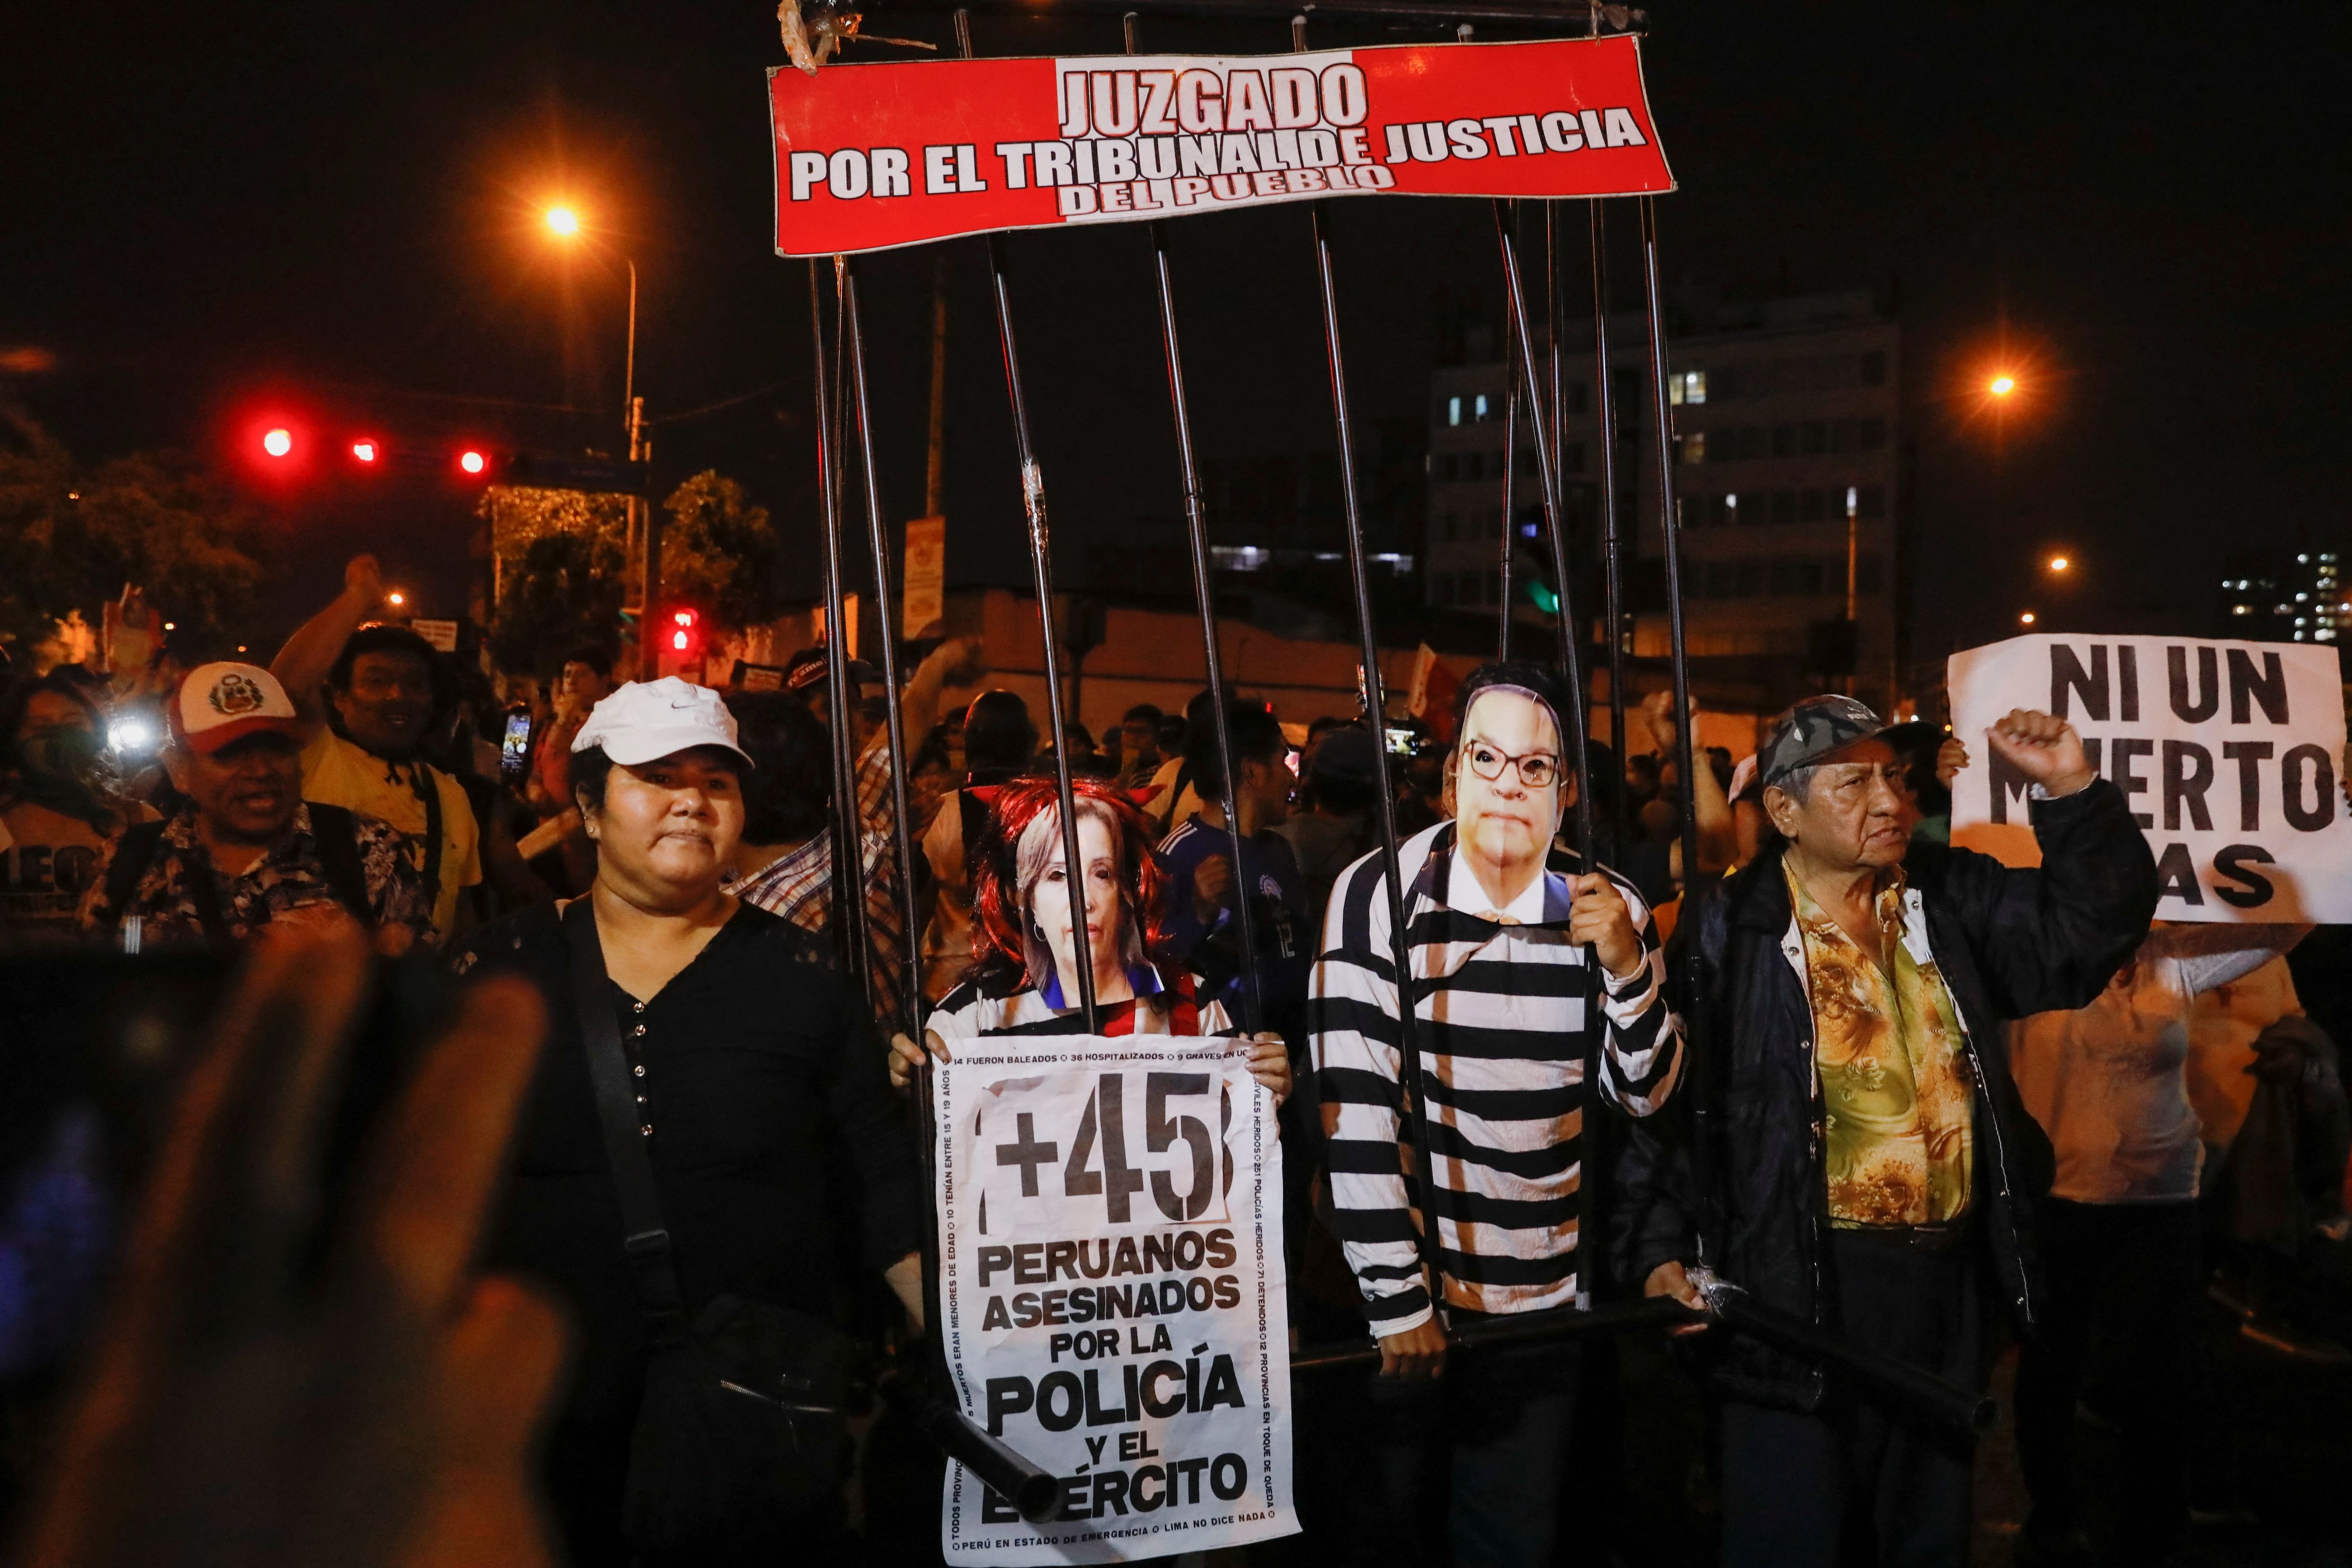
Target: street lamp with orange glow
2061,564
563,221
2001,385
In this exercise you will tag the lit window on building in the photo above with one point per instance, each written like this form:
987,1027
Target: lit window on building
1693,446
1479,409
1454,410
1240,558
1690,386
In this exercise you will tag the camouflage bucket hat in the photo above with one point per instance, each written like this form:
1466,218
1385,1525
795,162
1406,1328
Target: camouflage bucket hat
1818,727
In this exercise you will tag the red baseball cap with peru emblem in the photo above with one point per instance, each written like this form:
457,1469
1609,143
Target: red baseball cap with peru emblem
221,703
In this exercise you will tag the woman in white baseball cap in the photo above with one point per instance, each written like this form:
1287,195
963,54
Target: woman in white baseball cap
743,1069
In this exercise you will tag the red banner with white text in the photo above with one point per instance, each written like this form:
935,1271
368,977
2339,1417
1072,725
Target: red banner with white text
872,156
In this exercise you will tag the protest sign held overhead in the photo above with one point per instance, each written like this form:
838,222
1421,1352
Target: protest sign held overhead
871,156
1111,1294
2227,752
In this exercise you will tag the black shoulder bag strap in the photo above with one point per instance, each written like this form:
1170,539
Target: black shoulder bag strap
645,1238
335,833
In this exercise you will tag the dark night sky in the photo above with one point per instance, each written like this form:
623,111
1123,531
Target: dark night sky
329,207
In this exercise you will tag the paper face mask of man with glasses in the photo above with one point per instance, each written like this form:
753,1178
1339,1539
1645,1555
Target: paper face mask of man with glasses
1509,789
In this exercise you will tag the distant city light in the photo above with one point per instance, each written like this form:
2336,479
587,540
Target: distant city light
395,599
564,221
363,450
278,443
472,461
2001,386
2026,618
2059,563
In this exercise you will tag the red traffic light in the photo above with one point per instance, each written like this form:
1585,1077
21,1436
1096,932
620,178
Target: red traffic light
366,451
473,462
278,441
681,637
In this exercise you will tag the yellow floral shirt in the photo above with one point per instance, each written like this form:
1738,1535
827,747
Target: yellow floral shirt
1896,1083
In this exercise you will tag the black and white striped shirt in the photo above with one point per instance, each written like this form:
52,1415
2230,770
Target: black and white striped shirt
1158,1007
1501,1001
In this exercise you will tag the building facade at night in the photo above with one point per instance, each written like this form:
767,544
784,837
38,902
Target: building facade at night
2283,596
1787,417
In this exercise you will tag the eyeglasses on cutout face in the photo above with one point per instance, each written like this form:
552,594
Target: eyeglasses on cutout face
1538,769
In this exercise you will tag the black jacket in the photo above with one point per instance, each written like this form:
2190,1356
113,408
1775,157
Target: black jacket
2009,942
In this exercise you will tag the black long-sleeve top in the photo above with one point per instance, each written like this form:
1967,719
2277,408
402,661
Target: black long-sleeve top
763,1083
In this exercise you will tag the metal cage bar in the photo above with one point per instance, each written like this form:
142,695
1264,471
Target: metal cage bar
1041,561
1585,15
1613,570
848,907
1572,660
1376,719
894,731
1677,650
1196,527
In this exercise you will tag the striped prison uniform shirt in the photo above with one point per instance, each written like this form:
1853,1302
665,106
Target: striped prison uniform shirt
1502,1010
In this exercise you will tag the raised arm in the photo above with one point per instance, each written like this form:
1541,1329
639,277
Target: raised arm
1718,839
955,660
2052,937
302,665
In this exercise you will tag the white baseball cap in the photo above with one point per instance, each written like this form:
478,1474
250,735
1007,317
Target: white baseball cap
646,719
219,704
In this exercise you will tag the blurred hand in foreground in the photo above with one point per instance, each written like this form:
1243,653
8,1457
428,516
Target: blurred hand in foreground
262,1394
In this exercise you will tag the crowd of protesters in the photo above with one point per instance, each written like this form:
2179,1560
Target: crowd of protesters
1944,1105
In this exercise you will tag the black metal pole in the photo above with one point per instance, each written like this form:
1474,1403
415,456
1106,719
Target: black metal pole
1493,1333
848,891
1588,1251
1031,1490
1376,719
1510,499
1572,658
1612,571
894,721
1041,561
1685,747
1196,524
1403,13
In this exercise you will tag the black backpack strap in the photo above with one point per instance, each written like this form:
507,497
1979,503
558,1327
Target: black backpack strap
133,853
335,831
643,1238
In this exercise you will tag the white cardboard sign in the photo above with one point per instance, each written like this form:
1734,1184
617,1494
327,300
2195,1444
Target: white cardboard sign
2228,753
1111,1293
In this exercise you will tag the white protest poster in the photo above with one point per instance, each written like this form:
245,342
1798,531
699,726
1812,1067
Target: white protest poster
2228,753
1112,1295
